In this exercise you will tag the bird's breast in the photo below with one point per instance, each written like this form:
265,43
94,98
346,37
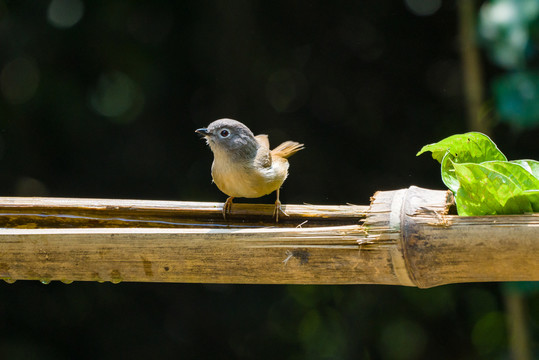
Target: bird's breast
248,179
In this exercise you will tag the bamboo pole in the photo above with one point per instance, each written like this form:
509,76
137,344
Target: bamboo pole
35,212
439,248
406,237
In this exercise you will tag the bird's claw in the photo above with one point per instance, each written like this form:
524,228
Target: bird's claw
278,209
227,206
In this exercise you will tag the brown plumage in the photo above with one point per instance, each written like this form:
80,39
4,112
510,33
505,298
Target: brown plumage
287,149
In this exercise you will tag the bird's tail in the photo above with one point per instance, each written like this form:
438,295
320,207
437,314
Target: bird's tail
287,149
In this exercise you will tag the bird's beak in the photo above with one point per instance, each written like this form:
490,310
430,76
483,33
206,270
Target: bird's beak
202,131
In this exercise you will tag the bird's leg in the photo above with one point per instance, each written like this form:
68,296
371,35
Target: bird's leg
227,206
278,208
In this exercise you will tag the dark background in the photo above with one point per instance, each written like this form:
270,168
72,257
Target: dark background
105,103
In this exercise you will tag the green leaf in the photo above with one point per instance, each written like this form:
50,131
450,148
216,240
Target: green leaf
483,181
472,147
531,193
516,172
469,204
531,165
448,173
485,191
533,198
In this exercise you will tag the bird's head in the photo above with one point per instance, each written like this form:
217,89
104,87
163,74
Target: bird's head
227,137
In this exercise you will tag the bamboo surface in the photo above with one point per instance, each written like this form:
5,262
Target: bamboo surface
439,248
35,212
169,241
406,237
474,249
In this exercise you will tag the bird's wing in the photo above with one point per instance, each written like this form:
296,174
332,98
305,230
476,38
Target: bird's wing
263,157
263,140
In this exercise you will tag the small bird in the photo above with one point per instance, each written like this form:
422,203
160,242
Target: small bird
244,165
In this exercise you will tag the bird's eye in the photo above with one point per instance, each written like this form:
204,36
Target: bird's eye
224,133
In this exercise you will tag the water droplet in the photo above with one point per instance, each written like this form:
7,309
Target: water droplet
9,280
115,277
67,282
45,281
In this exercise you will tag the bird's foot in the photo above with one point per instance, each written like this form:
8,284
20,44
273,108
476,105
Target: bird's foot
227,206
278,209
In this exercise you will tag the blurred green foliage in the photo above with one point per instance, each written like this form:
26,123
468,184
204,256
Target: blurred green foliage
509,30
517,98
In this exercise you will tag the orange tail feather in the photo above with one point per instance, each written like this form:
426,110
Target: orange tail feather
287,149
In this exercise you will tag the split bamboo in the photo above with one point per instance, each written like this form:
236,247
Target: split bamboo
406,237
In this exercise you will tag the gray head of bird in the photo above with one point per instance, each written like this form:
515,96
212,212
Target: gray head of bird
227,137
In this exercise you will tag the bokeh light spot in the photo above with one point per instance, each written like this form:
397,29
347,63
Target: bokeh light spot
517,98
403,340
19,80
65,13
423,7
328,104
363,38
309,325
286,90
116,95
507,29
488,334
501,13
